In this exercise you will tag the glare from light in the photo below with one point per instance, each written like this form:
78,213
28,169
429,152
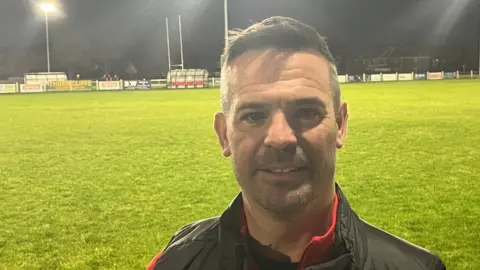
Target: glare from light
47,7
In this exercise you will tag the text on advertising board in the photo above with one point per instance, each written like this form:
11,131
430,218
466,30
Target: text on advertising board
143,84
435,76
30,88
70,85
109,85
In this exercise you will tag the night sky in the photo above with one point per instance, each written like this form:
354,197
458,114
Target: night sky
87,33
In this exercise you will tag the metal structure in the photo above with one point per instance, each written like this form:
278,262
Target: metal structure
48,42
225,17
170,65
47,8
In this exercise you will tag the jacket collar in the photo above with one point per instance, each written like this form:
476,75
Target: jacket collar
350,238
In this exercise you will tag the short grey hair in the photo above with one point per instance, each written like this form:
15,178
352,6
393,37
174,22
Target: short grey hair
282,34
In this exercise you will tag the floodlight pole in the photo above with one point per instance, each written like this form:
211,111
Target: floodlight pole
225,15
48,42
168,46
181,39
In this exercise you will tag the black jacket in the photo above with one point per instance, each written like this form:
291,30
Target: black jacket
216,243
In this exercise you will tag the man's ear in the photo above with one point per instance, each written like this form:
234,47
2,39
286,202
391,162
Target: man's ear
342,124
220,126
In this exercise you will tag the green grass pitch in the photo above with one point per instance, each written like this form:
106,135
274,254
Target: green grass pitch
102,180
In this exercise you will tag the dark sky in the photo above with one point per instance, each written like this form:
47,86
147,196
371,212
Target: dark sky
135,30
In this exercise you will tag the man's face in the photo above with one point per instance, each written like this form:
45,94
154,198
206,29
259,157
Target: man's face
281,130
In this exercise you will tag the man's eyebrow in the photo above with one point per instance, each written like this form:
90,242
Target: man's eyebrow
251,105
308,101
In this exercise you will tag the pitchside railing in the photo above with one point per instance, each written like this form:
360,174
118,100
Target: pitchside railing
162,84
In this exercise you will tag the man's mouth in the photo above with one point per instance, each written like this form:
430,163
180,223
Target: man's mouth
286,175
283,170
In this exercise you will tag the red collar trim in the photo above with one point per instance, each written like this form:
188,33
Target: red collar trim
319,249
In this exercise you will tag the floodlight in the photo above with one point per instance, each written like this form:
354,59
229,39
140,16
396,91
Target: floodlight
47,7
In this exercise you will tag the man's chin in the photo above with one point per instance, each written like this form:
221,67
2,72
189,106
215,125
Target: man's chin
285,203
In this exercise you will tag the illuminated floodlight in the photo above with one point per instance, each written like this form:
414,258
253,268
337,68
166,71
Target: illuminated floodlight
47,7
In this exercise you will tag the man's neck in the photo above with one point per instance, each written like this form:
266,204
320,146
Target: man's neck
277,238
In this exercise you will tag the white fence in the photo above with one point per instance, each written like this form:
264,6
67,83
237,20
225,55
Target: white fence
161,84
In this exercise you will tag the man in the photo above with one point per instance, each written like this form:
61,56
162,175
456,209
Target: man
281,123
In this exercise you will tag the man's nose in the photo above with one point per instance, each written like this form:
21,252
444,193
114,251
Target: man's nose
280,134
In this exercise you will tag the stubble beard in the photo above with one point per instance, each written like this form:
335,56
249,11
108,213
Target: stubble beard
286,204
280,201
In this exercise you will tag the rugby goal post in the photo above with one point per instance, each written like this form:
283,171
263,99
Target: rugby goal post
187,78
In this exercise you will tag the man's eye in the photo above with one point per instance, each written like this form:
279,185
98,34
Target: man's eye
254,117
307,114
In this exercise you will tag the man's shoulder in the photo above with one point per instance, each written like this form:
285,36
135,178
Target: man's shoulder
189,242
200,230
386,248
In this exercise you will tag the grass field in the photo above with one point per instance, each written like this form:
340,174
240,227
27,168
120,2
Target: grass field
103,179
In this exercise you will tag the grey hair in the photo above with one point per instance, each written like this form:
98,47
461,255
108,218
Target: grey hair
282,34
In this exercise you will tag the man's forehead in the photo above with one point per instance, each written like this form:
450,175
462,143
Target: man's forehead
268,66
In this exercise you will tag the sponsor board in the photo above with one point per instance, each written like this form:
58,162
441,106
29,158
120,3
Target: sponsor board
82,85
375,77
450,75
144,84
109,85
435,76
420,76
465,76
30,88
70,85
389,77
59,86
405,77
8,88
342,78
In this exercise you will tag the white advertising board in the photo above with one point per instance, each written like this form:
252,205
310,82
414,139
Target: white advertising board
109,85
375,78
405,77
31,88
8,88
389,77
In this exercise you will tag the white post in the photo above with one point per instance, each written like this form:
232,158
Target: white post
443,75
48,43
225,15
17,88
471,74
364,77
181,39
396,74
381,76
97,85
458,75
168,46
